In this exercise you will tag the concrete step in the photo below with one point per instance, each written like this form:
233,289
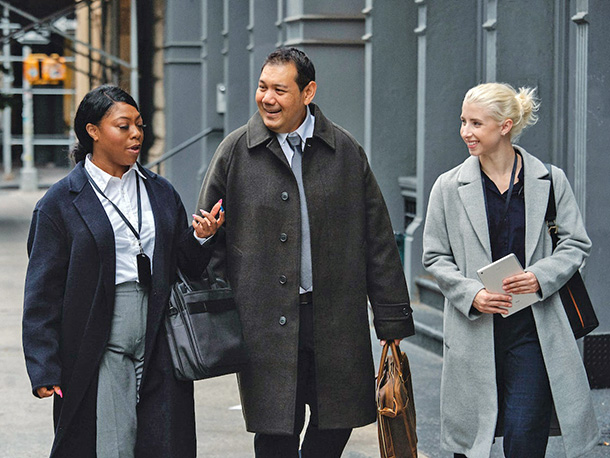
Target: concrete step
429,292
428,327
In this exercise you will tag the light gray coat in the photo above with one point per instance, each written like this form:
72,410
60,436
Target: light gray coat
456,245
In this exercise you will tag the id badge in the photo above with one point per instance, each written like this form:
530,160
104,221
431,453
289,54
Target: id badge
144,271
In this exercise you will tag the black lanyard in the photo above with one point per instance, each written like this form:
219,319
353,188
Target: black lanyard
142,260
123,217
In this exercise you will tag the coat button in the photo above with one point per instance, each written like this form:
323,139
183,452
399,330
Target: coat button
405,311
282,320
283,279
284,195
283,237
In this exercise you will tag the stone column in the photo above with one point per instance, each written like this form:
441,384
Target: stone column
589,134
235,53
263,34
213,89
530,54
331,35
389,97
183,95
447,49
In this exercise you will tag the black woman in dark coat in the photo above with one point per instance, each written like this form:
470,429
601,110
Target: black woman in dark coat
104,244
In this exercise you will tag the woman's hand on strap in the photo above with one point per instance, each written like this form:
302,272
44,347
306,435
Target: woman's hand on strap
208,223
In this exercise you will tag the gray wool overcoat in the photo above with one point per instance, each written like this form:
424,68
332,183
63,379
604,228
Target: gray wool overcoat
354,254
456,245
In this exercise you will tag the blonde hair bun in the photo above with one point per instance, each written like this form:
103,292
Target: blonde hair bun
504,102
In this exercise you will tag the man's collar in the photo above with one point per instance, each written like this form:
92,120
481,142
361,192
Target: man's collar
305,130
258,133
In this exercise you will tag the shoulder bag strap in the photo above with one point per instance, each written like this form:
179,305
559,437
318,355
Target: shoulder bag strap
551,210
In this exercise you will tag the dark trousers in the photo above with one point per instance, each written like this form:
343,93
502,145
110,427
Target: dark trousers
318,443
524,394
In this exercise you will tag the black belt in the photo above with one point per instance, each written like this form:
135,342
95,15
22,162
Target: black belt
305,298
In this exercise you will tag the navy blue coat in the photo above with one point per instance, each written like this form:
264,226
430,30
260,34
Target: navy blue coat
68,307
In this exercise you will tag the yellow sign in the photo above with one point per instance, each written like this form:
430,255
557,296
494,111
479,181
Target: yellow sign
31,67
43,69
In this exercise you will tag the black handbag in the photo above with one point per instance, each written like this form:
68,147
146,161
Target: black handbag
396,428
574,296
203,329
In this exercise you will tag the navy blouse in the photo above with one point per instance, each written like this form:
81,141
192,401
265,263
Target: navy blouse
507,235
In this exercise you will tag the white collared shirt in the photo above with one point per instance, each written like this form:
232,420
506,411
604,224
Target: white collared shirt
305,131
122,192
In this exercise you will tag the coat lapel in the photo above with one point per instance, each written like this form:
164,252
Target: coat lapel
536,188
94,216
162,246
257,134
471,195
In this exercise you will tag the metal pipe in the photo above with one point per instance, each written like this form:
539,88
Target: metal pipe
90,39
6,112
115,40
29,174
133,51
176,149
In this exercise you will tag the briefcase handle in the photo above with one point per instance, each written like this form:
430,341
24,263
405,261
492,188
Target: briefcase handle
384,354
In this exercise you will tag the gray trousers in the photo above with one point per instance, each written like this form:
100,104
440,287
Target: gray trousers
120,374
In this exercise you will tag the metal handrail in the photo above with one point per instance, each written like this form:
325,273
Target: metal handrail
176,149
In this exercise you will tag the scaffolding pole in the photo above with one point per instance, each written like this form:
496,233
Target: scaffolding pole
55,30
29,174
135,87
7,159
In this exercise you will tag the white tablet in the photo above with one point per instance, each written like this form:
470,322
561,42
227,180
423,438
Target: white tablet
493,274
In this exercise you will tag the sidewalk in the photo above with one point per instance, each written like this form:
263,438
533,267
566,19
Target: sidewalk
26,422
46,177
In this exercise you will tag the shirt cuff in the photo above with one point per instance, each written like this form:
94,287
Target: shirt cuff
201,240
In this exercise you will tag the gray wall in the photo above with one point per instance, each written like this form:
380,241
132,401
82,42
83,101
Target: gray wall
596,143
393,72
212,72
183,82
390,97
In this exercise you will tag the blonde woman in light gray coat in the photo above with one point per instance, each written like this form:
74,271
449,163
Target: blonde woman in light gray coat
502,374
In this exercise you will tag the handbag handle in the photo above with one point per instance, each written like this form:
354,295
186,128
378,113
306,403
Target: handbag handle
184,280
212,280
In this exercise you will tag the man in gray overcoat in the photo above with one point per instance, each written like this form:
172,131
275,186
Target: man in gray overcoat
308,237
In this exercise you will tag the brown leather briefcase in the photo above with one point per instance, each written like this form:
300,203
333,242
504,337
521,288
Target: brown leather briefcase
395,407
